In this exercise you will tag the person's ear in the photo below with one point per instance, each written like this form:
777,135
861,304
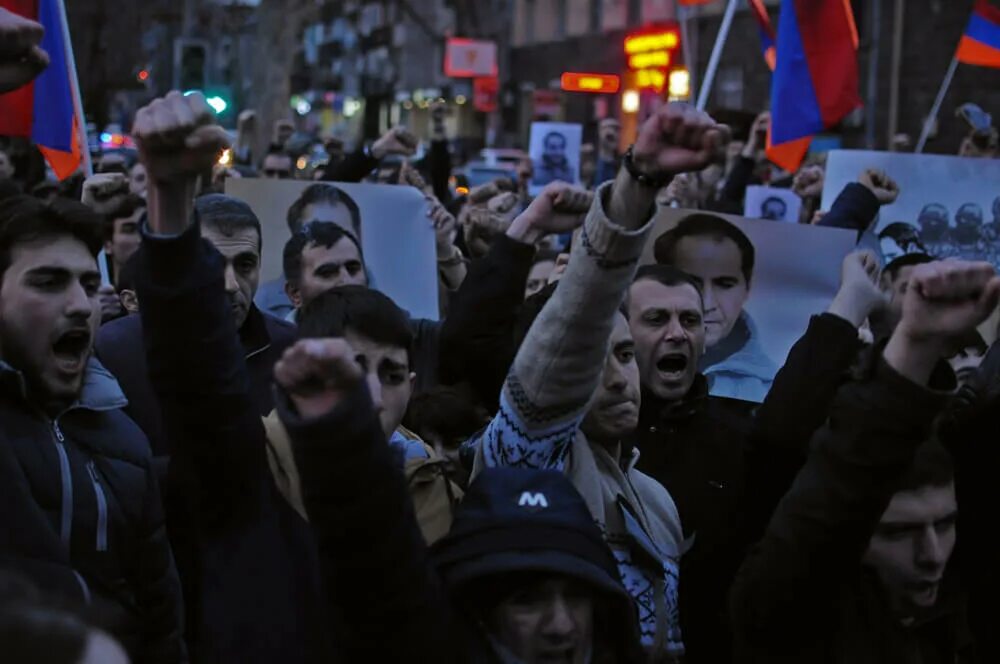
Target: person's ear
413,381
130,301
294,295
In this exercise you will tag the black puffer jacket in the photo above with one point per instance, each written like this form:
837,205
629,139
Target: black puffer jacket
82,515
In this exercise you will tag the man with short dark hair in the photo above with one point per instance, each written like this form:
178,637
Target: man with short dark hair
121,231
86,520
277,164
554,164
320,256
721,258
856,564
233,229
320,202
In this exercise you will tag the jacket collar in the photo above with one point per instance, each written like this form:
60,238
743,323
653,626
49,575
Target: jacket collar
655,409
254,336
100,390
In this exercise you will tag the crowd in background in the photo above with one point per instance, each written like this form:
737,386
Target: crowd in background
196,465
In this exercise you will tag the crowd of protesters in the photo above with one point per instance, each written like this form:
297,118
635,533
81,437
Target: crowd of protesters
197,466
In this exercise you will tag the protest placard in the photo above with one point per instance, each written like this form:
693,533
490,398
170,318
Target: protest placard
761,283
396,237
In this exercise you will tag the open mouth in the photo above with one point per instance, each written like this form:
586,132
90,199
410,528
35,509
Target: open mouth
71,350
672,364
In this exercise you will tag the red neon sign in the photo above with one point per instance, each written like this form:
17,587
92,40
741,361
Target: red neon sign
593,83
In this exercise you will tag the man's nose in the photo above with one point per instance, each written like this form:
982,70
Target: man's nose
930,550
231,284
375,389
560,621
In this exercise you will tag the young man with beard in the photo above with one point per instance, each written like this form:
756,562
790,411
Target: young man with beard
571,400
83,515
856,564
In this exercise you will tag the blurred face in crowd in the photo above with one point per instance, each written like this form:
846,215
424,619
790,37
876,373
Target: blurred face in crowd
125,240
538,277
241,252
716,263
277,166
49,314
549,619
6,167
325,268
609,133
137,179
669,331
525,171
387,372
912,545
897,288
965,363
614,408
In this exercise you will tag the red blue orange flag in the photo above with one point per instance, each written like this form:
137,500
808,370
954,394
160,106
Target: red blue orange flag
980,45
768,40
815,83
43,110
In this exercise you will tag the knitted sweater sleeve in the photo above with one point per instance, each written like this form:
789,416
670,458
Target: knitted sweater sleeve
559,364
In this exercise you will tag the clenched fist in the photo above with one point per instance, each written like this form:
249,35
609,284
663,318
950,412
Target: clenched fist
946,298
101,192
397,141
21,55
177,137
559,208
678,138
316,374
881,185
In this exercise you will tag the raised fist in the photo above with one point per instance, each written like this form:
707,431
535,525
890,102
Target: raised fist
102,191
21,55
808,182
885,188
177,137
317,373
859,293
559,208
947,298
444,225
397,141
678,138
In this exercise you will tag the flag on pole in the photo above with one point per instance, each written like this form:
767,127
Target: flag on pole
980,45
768,39
44,110
815,83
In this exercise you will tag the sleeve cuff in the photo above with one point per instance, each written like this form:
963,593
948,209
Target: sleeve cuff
611,244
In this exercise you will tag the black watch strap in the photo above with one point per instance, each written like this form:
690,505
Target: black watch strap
651,181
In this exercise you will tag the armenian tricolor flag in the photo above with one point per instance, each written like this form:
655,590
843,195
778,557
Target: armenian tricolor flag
44,110
980,45
815,83
768,39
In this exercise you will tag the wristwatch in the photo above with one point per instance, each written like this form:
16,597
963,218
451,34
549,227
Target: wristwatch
646,180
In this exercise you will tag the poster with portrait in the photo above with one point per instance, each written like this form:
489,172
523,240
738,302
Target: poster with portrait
761,283
772,204
555,154
396,237
948,207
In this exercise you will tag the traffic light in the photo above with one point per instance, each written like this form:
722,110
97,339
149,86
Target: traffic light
192,67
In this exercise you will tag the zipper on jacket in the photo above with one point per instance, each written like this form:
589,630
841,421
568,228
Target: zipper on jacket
66,480
102,508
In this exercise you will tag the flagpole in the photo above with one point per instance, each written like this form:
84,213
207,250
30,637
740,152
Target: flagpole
713,62
88,168
929,123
